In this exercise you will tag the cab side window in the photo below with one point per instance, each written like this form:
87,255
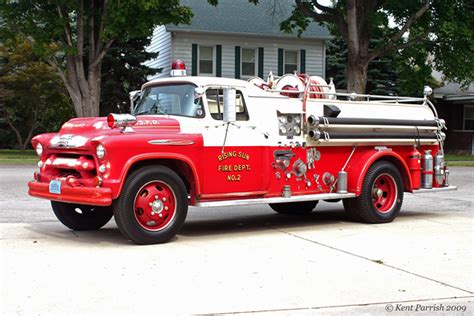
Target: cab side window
215,101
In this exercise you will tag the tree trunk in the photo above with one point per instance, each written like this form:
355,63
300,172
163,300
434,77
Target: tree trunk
87,104
84,91
30,135
94,81
23,143
357,70
19,139
357,40
356,78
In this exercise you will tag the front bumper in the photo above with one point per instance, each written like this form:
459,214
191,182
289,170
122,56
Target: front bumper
79,195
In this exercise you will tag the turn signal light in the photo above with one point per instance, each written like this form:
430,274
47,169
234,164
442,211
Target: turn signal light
97,181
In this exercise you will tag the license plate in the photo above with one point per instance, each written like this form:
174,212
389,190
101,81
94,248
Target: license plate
55,187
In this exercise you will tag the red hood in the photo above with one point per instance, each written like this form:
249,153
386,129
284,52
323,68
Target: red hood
98,125
78,132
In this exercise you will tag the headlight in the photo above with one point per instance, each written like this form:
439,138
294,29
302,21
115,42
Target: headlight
282,130
100,151
39,149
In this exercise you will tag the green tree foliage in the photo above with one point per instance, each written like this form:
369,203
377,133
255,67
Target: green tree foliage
445,35
414,66
33,99
75,35
123,70
402,73
443,28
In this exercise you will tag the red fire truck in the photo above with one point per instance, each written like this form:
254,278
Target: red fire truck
211,142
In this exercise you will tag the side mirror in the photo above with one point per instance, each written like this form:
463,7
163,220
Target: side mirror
199,91
230,105
134,96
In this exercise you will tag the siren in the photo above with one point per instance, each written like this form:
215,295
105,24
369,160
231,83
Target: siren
124,121
178,68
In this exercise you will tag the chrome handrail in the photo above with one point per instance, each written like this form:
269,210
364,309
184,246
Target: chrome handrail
383,98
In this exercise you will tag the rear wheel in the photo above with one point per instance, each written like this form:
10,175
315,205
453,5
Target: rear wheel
153,205
82,217
295,208
381,197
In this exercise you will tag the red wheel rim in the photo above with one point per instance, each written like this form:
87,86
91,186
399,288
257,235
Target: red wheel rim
384,193
155,206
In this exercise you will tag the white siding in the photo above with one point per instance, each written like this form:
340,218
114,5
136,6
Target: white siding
161,43
270,60
182,47
228,61
314,61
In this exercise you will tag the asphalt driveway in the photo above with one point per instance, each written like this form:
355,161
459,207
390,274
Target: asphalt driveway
242,260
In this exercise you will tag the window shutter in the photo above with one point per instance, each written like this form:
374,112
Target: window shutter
303,61
280,61
260,62
218,60
237,62
194,60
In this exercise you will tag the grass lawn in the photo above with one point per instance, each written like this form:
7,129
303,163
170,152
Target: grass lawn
18,157
452,157
460,160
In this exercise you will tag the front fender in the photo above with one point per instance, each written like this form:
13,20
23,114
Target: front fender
156,156
125,151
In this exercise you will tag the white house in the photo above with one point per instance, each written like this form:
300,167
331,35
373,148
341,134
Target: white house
237,39
456,105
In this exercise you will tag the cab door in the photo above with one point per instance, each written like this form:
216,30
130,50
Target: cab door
233,153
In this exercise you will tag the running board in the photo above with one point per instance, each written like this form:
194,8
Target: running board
433,190
298,198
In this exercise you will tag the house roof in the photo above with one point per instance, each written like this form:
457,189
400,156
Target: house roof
451,91
242,17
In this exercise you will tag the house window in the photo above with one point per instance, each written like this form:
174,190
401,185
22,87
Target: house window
206,60
249,64
469,117
291,61
215,101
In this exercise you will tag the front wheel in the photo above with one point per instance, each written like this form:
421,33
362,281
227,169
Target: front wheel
82,217
152,206
294,208
381,197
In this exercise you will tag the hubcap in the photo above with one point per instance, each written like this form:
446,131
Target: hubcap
377,193
384,193
155,206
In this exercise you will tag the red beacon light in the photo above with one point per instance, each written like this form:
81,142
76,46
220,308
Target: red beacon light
125,121
178,68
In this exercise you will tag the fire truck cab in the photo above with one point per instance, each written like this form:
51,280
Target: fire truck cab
204,141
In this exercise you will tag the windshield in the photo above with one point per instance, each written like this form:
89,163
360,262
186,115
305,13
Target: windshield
177,99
